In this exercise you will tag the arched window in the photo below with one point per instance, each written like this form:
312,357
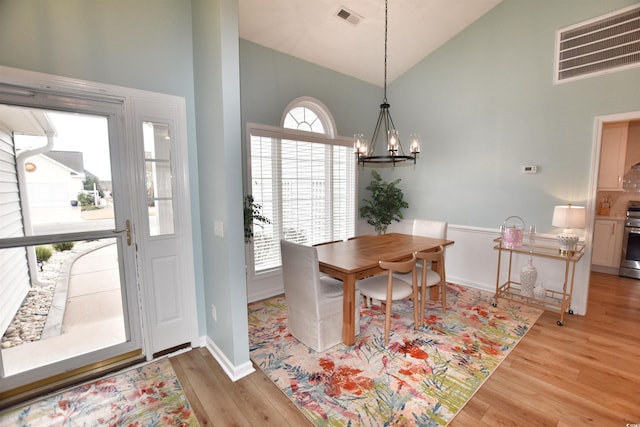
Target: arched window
309,114
304,178
303,118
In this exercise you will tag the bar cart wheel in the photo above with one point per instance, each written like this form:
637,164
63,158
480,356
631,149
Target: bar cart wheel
560,323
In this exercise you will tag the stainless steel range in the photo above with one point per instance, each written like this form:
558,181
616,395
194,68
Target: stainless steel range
630,260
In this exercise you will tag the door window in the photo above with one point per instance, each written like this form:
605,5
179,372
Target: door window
157,157
67,297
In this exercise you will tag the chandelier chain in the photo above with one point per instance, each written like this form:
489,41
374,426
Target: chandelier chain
385,49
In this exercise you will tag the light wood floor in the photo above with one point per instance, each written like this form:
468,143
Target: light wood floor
585,373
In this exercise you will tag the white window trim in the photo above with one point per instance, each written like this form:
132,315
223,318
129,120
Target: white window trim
317,107
283,133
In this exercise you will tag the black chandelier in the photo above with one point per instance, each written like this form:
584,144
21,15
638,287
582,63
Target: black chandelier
395,152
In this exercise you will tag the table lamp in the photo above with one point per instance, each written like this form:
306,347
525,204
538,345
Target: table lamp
568,217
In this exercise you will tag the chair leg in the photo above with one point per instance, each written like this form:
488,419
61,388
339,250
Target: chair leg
416,305
443,290
423,297
387,323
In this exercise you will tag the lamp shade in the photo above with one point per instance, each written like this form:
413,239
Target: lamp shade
569,216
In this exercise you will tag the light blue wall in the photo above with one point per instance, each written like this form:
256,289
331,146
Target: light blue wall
217,78
485,104
270,80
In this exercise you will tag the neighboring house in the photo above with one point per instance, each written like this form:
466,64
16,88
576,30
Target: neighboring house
52,180
56,180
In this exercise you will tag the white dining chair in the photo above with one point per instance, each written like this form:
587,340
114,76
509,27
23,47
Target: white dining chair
430,228
314,302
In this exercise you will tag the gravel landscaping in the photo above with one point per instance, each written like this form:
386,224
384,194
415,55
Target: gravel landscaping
29,322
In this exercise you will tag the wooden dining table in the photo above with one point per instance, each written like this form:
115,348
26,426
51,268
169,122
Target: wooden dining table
357,258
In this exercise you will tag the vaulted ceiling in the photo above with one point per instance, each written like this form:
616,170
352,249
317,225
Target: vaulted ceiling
312,30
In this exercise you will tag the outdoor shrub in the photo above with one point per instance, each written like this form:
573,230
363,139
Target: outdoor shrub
63,246
85,199
43,253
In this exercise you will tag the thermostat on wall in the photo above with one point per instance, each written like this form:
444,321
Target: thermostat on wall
529,169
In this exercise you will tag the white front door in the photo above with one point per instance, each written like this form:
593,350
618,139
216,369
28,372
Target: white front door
164,225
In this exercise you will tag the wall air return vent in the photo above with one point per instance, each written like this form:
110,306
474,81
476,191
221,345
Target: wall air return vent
602,45
348,15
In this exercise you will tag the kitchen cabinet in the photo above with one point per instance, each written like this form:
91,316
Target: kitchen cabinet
613,150
607,242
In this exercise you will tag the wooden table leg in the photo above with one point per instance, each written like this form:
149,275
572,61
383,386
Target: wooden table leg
434,291
349,310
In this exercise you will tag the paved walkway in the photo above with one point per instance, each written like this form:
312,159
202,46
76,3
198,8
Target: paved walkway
86,313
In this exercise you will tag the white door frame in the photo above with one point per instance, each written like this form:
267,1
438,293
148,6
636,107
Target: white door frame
139,104
592,201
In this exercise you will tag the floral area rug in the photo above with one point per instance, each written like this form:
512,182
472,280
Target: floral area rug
423,377
149,395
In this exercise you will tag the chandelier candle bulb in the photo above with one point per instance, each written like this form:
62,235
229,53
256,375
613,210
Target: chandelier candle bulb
414,143
359,144
392,147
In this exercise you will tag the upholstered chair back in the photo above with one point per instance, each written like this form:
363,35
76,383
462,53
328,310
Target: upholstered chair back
314,302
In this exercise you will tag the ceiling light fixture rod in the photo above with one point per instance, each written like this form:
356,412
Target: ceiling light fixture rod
395,152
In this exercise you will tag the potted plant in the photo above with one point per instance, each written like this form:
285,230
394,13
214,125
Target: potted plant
384,205
252,215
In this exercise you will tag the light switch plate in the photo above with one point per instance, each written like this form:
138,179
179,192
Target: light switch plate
218,229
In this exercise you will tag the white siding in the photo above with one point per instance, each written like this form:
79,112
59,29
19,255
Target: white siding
14,273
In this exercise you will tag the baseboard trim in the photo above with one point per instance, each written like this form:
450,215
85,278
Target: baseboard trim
233,372
615,271
259,296
470,284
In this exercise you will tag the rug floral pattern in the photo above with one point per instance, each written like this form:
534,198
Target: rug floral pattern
149,395
423,377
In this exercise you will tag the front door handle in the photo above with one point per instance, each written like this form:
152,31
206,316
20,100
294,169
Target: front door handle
127,229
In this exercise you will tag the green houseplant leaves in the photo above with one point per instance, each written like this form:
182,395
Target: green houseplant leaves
385,205
252,215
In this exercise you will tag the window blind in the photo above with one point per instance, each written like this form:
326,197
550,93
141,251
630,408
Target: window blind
306,188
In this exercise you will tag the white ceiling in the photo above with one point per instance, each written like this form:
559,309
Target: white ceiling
310,30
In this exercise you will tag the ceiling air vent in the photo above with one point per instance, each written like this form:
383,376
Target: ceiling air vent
348,15
602,45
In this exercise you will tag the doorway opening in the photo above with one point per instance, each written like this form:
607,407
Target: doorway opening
69,297
114,205
615,150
